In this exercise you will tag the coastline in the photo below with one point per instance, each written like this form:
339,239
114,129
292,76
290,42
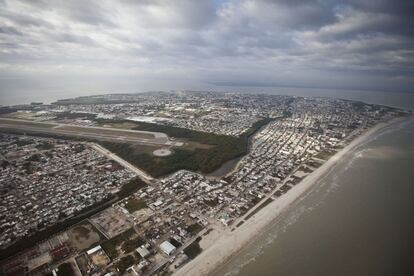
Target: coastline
220,246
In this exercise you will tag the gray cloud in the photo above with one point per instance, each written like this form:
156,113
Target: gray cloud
9,30
368,44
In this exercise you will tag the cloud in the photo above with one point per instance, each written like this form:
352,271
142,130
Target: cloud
317,43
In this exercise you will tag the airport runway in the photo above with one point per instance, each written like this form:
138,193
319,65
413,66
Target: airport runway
97,133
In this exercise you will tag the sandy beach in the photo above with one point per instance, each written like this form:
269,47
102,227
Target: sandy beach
219,246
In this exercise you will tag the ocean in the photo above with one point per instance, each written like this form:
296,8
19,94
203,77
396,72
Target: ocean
357,220
27,94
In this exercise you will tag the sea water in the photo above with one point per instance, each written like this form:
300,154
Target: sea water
357,220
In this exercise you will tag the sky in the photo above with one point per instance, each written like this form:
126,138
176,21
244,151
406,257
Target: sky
131,46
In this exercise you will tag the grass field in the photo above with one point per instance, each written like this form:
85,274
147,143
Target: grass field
135,205
8,123
123,125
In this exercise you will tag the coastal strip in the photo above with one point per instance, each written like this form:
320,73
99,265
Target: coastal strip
220,246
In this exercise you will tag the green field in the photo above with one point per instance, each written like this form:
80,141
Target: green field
135,205
125,242
219,149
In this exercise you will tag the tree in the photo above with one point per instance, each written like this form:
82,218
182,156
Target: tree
65,269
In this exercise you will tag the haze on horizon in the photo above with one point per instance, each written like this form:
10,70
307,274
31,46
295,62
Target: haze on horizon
130,46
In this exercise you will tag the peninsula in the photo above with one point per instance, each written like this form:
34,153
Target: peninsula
123,183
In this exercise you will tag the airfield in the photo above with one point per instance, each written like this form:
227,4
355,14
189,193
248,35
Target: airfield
87,132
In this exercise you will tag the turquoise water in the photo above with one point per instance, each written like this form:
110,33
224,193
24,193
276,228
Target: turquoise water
358,220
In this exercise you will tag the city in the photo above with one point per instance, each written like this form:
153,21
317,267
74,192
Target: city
165,220
206,138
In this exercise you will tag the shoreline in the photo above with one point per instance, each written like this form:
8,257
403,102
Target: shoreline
220,247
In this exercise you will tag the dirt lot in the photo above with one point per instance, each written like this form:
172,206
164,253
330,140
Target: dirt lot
111,221
83,236
100,259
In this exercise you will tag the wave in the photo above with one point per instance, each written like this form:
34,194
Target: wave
316,196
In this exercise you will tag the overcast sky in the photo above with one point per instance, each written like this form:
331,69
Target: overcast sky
136,45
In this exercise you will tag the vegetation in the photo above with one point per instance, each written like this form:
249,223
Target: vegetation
4,164
305,169
156,166
75,115
124,263
130,187
34,158
223,148
193,249
194,228
45,146
23,142
176,243
135,205
314,163
47,135
212,203
264,204
358,105
111,246
65,269
325,154
132,244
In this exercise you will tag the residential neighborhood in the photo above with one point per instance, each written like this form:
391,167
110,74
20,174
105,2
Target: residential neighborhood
161,223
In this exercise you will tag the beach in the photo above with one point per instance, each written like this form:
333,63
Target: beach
219,246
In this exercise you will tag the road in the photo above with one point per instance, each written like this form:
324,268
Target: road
143,175
147,178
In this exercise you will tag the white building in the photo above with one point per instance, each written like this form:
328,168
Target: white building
142,251
167,247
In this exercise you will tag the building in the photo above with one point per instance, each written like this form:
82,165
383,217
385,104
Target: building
142,251
167,247
93,250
